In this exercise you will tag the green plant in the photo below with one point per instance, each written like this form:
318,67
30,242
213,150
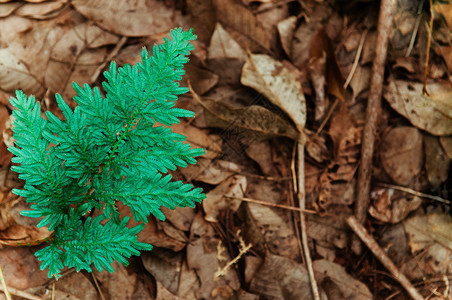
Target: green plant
107,150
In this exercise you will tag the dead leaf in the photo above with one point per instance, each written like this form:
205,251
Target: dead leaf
165,266
426,113
239,18
223,45
45,10
401,154
8,8
286,30
429,233
14,74
216,200
126,18
444,9
203,18
281,278
269,77
390,206
255,121
437,163
446,142
350,287
84,289
119,284
210,171
202,258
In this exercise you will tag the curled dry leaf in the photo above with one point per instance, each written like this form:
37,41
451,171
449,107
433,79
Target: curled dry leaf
286,29
8,8
41,10
401,154
165,266
128,18
254,121
223,45
391,207
276,82
430,113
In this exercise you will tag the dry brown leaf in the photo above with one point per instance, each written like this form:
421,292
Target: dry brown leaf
45,10
210,171
239,18
84,289
8,8
216,200
401,154
203,259
164,265
119,284
203,18
281,278
445,9
266,229
14,74
390,207
286,29
201,79
223,45
350,287
254,122
128,18
429,233
446,143
437,163
180,217
279,84
431,114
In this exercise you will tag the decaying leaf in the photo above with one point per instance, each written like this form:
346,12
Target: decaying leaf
349,286
269,77
429,113
128,18
216,200
430,233
257,120
401,154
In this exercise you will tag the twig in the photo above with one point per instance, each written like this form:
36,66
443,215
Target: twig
20,293
5,288
110,56
413,192
416,28
427,52
383,257
304,232
372,112
307,211
357,57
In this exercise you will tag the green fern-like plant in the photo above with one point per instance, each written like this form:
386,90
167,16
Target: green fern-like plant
107,150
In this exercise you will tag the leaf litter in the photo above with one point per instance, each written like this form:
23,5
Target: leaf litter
264,75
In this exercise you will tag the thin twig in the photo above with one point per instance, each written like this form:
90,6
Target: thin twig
387,8
98,287
307,211
359,229
110,56
414,192
416,29
20,294
304,232
5,288
427,52
357,57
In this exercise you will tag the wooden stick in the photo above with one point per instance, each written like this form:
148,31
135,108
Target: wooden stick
387,8
304,232
383,257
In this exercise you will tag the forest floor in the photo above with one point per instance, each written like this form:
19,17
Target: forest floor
280,91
